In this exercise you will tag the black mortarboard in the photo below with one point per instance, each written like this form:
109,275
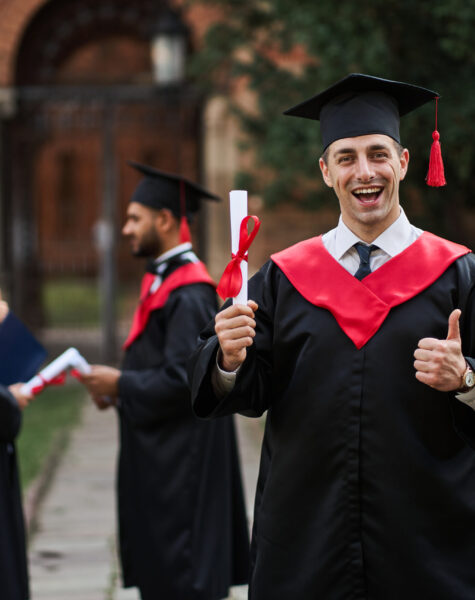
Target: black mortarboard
166,190
162,190
361,104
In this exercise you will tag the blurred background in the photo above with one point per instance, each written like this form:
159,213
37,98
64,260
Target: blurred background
195,87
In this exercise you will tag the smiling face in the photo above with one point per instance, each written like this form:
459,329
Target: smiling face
365,172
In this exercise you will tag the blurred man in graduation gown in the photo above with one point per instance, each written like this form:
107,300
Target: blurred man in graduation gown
13,562
358,345
13,566
182,523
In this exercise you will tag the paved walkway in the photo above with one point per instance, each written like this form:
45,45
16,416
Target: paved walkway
73,552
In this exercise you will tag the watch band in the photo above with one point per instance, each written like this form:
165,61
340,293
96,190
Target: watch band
468,380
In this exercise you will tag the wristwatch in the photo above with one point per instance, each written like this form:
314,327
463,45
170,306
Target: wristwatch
468,380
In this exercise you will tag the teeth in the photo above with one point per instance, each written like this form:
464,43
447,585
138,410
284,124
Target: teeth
367,191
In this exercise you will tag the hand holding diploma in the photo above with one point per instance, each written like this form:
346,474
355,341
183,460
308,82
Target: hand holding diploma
22,399
102,383
235,327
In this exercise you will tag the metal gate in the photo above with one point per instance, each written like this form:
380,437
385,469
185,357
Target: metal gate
69,272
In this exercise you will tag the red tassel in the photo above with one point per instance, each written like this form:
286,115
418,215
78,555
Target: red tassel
435,174
185,235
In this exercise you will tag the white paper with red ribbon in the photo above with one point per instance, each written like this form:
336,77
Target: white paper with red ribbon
233,282
69,359
238,212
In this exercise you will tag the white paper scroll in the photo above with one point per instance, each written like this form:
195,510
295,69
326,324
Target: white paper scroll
69,359
238,211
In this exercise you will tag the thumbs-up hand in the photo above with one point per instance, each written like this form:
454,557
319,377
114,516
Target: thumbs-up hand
440,363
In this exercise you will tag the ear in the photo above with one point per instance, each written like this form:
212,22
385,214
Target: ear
404,163
165,221
325,172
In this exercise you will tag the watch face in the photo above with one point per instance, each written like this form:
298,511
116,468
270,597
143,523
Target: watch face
470,379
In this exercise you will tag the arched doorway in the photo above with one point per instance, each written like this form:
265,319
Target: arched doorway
87,103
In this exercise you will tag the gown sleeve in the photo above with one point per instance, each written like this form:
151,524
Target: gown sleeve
462,414
10,416
252,392
155,394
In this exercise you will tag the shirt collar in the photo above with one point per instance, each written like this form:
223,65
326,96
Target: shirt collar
396,237
393,240
173,252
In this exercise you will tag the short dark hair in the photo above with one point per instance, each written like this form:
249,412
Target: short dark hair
325,154
399,149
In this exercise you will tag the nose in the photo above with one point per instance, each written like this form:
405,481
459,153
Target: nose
364,170
126,229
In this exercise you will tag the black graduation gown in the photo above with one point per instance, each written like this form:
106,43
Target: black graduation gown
13,565
182,520
366,487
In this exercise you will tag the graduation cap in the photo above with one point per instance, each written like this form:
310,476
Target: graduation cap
362,104
159,189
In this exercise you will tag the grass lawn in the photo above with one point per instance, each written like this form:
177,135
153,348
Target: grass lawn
76,302
54,412
69,301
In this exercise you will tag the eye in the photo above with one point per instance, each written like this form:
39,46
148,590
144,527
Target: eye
380,155
344,159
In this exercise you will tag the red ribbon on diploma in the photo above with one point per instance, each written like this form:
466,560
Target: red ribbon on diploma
231,280
58,380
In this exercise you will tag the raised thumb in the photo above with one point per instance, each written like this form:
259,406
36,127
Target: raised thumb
454,326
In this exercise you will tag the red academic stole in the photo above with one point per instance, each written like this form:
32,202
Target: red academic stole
360,307
185,275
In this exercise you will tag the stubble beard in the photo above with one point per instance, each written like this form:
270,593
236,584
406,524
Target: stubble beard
149,246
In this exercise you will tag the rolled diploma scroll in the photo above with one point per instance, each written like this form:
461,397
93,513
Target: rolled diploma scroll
238,211
79,363
70,358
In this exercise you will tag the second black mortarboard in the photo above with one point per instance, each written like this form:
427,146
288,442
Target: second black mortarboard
159,189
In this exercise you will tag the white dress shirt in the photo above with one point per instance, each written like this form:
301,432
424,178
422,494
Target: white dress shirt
184,249
340,243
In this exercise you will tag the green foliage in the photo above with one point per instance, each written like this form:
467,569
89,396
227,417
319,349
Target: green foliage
427,43
52,414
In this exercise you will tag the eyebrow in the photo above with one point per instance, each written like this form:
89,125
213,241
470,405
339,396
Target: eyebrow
345,151
353,150
378,147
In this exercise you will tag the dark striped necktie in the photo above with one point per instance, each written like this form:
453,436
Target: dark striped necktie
364,252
